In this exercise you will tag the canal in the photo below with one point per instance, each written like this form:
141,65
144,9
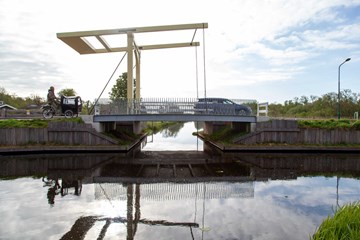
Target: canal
173,187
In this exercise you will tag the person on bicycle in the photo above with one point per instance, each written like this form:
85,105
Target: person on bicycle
52,99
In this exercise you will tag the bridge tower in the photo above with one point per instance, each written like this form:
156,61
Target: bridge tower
78,41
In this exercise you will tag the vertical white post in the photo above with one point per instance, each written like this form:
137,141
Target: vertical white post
137,58
130,48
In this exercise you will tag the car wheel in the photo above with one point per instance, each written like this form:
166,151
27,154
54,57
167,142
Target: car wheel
242,112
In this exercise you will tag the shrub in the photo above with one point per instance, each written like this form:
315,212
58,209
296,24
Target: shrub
356,125
327,124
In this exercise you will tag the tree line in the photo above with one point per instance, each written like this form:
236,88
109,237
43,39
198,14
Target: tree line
325,106
21,103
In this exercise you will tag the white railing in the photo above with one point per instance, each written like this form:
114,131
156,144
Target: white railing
172,106
263,108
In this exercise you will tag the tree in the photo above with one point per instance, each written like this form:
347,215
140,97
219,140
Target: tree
119,90
67,92
88,107
34,99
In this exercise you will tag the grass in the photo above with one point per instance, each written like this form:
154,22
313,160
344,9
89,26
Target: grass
34,123
330,124
344,225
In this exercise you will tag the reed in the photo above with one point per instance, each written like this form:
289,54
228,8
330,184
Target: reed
344,225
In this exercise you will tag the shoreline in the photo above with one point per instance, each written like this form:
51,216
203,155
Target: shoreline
44,149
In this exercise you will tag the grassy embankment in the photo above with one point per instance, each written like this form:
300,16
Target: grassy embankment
34,123
344,225
226,135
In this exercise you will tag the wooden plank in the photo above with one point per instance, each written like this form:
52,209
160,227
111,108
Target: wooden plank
157,169
140,170
174,170
191,170
79,44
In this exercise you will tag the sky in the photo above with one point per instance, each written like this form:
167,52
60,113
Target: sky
266,50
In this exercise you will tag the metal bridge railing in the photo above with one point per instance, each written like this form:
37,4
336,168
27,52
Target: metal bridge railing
172,106
178,191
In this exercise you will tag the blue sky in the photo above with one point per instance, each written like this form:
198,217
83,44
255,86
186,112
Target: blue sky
271,50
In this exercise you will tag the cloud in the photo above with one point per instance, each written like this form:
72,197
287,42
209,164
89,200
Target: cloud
247,42
342,37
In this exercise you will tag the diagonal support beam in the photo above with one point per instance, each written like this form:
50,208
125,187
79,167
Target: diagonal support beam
104,43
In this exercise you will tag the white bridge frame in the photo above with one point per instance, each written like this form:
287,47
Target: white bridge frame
77,41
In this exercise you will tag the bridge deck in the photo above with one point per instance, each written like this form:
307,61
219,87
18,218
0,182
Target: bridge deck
174,117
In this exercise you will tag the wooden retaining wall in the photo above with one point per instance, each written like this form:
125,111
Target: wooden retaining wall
64,133
287,131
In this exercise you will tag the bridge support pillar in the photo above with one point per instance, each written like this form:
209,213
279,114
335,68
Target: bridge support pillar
211,127
135,127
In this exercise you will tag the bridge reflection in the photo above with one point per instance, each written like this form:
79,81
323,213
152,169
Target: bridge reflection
182,167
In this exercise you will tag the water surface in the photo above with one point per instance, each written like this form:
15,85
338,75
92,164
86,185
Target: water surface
187,194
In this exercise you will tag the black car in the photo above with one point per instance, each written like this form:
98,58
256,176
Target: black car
221,106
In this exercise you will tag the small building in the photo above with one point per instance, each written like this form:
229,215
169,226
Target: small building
6,106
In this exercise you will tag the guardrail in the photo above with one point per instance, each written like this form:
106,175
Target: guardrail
170,106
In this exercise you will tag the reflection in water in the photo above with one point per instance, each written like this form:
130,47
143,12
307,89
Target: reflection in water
62,188
191,195
84,224
173,130
173,139
53,190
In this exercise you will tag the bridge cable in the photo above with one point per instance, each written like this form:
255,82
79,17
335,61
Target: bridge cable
108,198
196,63
197,90
107,82
197,74
192,40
